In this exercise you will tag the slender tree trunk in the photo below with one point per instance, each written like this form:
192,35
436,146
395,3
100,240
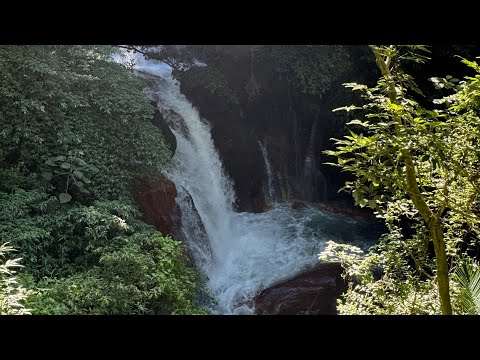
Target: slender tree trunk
436,233
433,222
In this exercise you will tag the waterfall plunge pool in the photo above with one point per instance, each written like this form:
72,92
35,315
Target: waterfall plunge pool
245,252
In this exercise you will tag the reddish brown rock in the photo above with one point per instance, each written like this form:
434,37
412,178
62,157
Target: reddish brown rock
156,201
314,292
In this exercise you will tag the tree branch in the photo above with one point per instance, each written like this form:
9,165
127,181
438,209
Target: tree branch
384,68
445,195
149,55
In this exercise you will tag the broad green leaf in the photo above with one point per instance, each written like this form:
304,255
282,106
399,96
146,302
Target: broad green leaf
84,190
78,174
363,202
47,176
64,197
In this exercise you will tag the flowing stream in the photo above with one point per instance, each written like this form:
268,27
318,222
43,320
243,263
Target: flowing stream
245,252
270,193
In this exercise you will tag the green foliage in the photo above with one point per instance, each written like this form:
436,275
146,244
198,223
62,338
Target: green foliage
413,166
76,131
12,294
141,274
64,101
72,170
211,79
385,280
312,68
468,278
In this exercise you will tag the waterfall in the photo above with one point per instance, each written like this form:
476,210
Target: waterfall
270,192
198,169
244,252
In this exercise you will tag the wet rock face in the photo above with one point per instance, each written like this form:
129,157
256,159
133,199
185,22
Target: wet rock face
156,201
314,292
293,127
189,228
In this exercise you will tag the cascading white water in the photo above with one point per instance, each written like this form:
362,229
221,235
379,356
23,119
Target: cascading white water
199,169
246,252
270,192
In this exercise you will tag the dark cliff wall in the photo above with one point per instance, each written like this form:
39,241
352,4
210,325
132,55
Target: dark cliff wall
294,128
168,135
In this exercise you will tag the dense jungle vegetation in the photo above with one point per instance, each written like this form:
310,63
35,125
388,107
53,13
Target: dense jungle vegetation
75,130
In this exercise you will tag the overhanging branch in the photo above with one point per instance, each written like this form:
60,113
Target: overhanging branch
136,49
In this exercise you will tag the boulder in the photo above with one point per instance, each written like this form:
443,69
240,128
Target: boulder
315,292
156,201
